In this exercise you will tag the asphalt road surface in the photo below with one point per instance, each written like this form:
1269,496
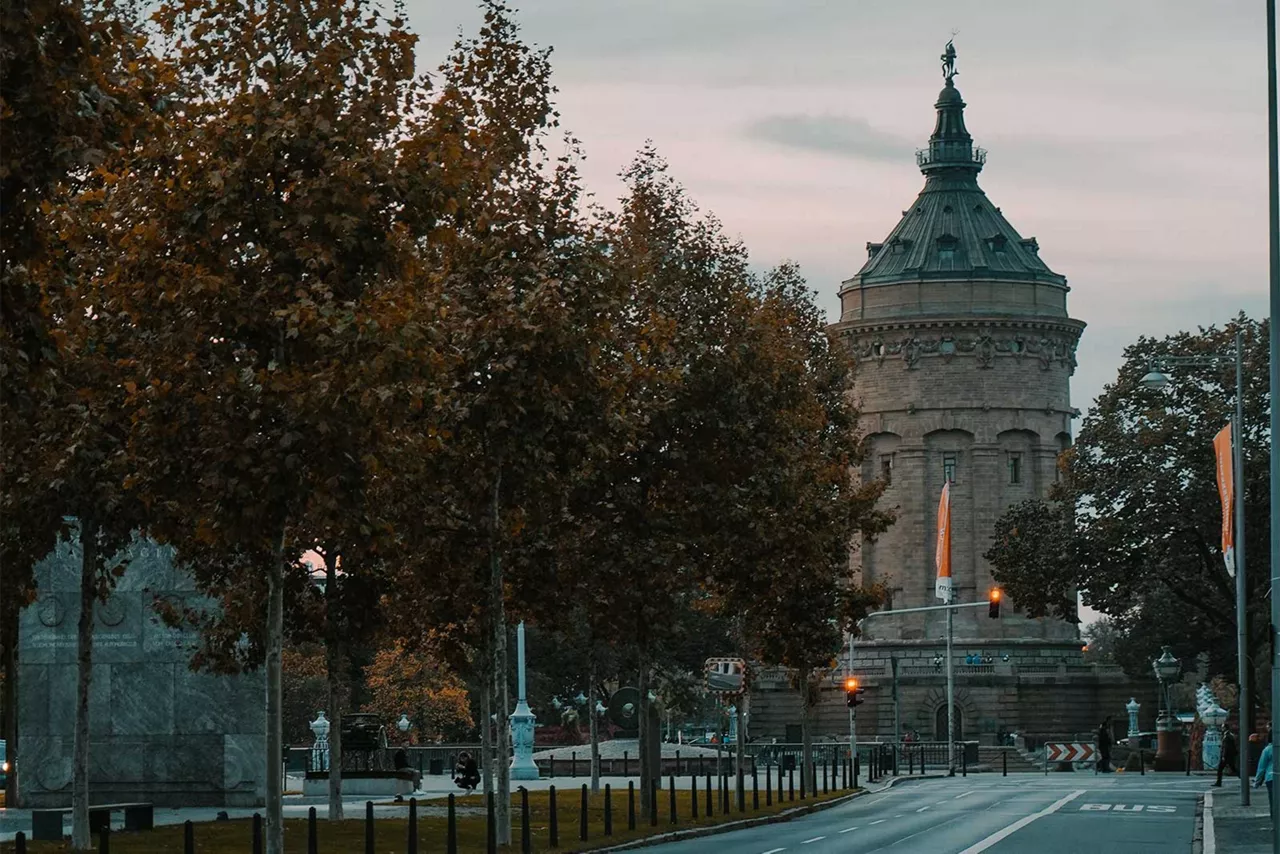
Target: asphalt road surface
1057,814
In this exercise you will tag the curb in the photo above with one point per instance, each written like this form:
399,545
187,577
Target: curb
744,824
1197,834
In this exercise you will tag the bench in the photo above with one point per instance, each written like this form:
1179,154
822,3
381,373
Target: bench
47,823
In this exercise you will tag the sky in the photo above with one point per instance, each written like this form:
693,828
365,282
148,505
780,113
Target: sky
1128,136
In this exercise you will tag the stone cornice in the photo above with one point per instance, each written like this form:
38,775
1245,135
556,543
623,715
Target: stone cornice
1048,341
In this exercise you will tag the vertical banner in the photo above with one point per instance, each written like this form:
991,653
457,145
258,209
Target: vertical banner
942,555
1227,495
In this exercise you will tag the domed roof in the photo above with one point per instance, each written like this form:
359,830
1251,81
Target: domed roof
952,229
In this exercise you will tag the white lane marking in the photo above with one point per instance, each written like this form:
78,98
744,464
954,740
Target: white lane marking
850,829
879,821
899,815
814,839
923,808
774,850
964,794
1006,832
1210,837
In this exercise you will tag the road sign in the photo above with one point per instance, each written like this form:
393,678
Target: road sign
1069,751
726,676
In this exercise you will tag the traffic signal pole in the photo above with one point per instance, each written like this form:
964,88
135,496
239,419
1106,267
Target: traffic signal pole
993,605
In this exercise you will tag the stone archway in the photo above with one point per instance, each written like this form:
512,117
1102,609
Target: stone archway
940,723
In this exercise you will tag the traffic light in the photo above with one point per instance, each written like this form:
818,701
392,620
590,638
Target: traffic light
993,603
852,693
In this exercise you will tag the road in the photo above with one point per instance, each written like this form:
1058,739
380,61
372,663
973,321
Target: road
1057,814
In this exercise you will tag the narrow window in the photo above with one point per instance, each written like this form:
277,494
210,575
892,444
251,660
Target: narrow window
1015,468
949,467
886,468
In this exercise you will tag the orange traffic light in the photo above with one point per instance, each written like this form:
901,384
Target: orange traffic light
851,684
993,603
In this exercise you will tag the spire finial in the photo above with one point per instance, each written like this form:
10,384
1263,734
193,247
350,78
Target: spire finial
949,59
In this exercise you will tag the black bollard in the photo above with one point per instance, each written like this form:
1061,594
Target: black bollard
104,840
856,762
368,827
553,819
724,794
710,811
804,772
313,844
693,796
1004,763
188,838
964,761
626,764
451,829
20,843
608,810
413,824
573,764
631,805
742,792
911,763
491,828
768,785
824,778
755,789
791,784
671,797
1142,762
257,833
582,815
653,802
678,763
526,832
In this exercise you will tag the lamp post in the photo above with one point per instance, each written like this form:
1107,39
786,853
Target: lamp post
320,749
1132,708
1273,187
404,725
1211,751
1168,732
1156,379
522,722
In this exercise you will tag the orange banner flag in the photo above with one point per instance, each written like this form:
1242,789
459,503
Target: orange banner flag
942,555
1227,495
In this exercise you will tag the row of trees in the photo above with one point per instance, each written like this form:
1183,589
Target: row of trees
269,294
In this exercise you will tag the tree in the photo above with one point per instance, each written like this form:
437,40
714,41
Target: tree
256,250
1134,524
434,698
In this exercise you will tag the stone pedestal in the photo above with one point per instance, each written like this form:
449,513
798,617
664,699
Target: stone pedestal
1168,745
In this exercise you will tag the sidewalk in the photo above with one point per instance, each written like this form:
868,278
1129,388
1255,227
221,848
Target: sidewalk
1236,829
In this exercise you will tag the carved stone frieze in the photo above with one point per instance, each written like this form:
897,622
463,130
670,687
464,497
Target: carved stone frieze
983,345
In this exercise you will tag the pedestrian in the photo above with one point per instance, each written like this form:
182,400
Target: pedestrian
1266,772
1230,755
1104,745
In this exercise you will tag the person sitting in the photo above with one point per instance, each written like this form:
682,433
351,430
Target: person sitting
466,774
401,763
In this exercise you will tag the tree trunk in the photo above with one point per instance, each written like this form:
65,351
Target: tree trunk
9,701
642,744
497,614
738,764
275,737
595,729
333,672
806,735
80,839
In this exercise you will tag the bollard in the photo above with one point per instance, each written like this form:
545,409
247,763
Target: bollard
20,843
1142,762
710,811
855,769
368,827
964,761
413,824
451,829
1004,763
693,796
608,810
188,838
911,763
824,778
768,785
626,764
677,763
895,761
526,832
257,833
313,844
653,801
791,784
491,828
104,840
671,797
631,805
742,792
582,815
804,773
553,819
755,788
573,764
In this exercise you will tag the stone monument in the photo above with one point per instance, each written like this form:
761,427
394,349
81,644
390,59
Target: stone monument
159,732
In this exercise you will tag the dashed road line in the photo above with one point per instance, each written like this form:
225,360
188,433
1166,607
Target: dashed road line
814,839
774,850
850,829
879,821
964,794
923,808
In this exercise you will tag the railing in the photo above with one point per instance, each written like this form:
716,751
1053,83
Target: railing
950,152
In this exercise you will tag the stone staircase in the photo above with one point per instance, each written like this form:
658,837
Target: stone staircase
989,759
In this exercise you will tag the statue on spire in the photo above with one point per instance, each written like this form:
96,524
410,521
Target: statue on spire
949,62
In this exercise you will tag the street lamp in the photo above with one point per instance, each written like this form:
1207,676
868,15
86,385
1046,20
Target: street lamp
1156,379
1168,732
404,723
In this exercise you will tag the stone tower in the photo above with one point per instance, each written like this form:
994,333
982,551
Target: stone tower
964,355
965,352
